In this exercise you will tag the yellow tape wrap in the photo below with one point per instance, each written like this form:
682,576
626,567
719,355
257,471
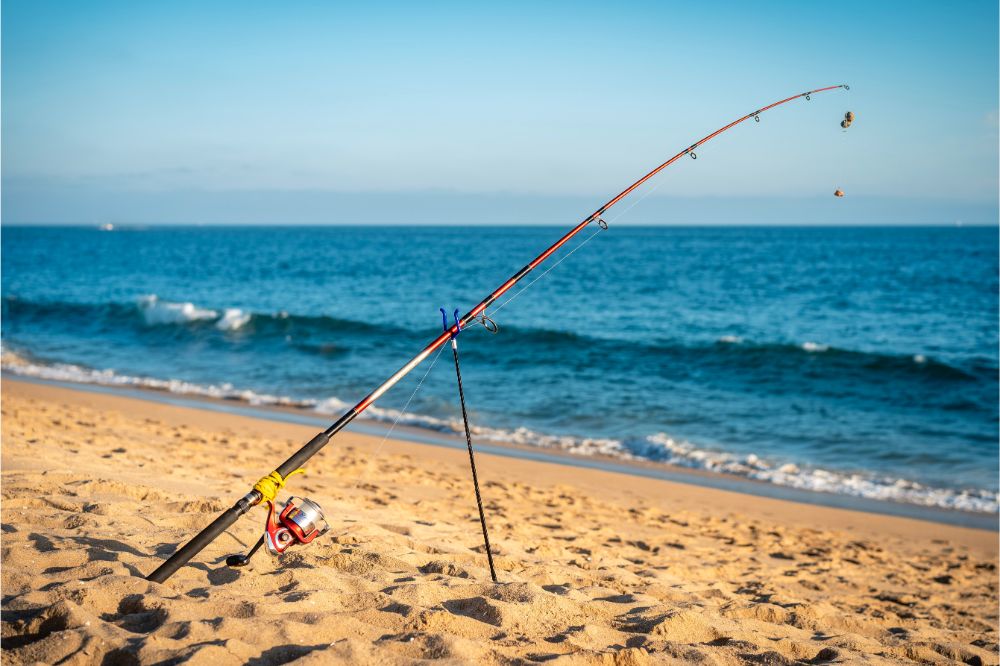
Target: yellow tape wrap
269,485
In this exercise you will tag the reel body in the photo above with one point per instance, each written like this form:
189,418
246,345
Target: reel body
300,521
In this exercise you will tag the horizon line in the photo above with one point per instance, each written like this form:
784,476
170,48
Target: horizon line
98,226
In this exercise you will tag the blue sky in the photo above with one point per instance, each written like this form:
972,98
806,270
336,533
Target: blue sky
244,112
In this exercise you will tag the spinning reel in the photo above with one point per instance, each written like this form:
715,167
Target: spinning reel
300,521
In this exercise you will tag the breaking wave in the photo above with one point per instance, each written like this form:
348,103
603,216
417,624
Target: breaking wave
152,313
659,447
67,372
663,448
151,317
156,312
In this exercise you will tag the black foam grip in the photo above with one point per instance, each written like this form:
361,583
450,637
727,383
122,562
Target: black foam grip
197,544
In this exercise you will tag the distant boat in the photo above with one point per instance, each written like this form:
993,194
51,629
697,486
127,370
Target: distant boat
107,226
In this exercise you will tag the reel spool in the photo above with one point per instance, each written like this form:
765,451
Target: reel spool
299,523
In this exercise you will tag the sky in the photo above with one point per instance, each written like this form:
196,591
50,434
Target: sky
327,112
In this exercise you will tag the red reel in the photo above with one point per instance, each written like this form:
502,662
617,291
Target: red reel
300,521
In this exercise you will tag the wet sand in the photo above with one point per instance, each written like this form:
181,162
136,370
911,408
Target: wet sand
595,567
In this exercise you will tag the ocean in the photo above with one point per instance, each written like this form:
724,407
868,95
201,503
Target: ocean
856,361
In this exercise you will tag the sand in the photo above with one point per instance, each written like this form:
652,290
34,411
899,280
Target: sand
595,567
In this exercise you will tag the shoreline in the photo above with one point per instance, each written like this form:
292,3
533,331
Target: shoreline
544,466
594,566
640,469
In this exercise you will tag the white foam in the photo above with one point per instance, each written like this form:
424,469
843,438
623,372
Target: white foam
521,436
232,319
814,347
663,448
659,447
156,312
858,485
731,339
66,372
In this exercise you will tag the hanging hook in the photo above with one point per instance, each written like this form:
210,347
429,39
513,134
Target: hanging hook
446,327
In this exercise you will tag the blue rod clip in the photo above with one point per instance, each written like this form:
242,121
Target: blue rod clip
445,326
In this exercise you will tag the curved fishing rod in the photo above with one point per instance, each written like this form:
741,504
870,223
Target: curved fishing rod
267,488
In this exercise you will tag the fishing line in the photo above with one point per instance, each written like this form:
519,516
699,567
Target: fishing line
399,415
849,118
584,242
649,191
548,270
659,181
378,449
302,520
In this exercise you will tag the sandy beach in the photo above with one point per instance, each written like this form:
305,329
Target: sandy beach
595,567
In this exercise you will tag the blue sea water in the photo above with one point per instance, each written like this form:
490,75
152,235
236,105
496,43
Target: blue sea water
849,360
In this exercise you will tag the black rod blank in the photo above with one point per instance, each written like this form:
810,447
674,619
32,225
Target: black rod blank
472,461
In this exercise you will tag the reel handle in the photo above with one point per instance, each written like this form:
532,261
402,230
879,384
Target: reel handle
240,560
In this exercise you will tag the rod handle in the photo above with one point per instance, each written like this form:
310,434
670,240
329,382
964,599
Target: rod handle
198,543
228,517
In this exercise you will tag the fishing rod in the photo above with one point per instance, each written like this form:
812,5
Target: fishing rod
301,520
